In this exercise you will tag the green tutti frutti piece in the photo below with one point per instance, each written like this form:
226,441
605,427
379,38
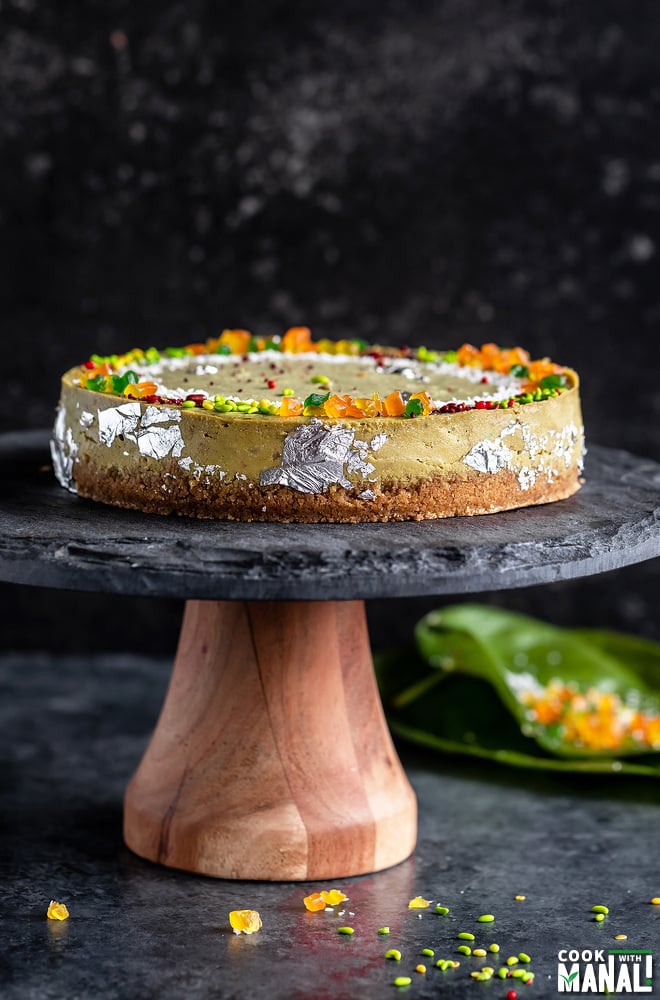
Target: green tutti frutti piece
394,954
523,957
414,408
465,936
600,909
494,947
518,973
485,918
316,399
512,960
402,981
383,930
464,949
599,918
442,910
345,930
503,972
428,952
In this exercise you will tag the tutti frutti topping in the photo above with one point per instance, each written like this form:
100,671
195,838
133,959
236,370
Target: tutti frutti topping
267,381
593,719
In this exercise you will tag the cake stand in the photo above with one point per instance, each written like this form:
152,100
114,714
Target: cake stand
271,758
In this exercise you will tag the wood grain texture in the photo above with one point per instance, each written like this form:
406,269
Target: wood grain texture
272,759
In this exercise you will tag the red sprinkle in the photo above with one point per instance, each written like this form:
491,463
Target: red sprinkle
511,995
89,364
485,380
271,383
481,404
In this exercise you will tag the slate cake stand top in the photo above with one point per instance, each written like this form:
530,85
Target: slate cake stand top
49,537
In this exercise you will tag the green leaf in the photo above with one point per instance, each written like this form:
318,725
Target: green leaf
520,371
461,689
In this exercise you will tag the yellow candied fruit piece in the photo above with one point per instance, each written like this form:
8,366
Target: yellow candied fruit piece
394,405
314,902
419,903
369,407
140,389
291,407
245,921
208,404
347,347
325,346
297,339
333,896
57,911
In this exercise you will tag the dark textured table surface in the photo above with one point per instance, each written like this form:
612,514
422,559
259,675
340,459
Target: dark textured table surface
50,538
71,733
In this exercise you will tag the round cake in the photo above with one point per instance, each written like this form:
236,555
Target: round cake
289,429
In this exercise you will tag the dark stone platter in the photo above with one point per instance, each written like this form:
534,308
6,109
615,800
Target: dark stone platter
49,537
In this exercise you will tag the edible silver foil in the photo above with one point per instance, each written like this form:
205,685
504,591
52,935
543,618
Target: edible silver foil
146,430
491,455
547,453
63,449
315,456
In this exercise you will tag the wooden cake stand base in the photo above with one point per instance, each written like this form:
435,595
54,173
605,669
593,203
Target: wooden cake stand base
271,758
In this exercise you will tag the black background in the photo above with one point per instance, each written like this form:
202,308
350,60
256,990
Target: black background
408,172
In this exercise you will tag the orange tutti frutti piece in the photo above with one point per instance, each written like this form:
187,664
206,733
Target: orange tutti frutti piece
297,339
489,353
335,406
394,405
314,902
291,407
468,354
245,921
237,341
57,911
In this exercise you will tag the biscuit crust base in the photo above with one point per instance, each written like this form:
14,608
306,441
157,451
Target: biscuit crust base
450,496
